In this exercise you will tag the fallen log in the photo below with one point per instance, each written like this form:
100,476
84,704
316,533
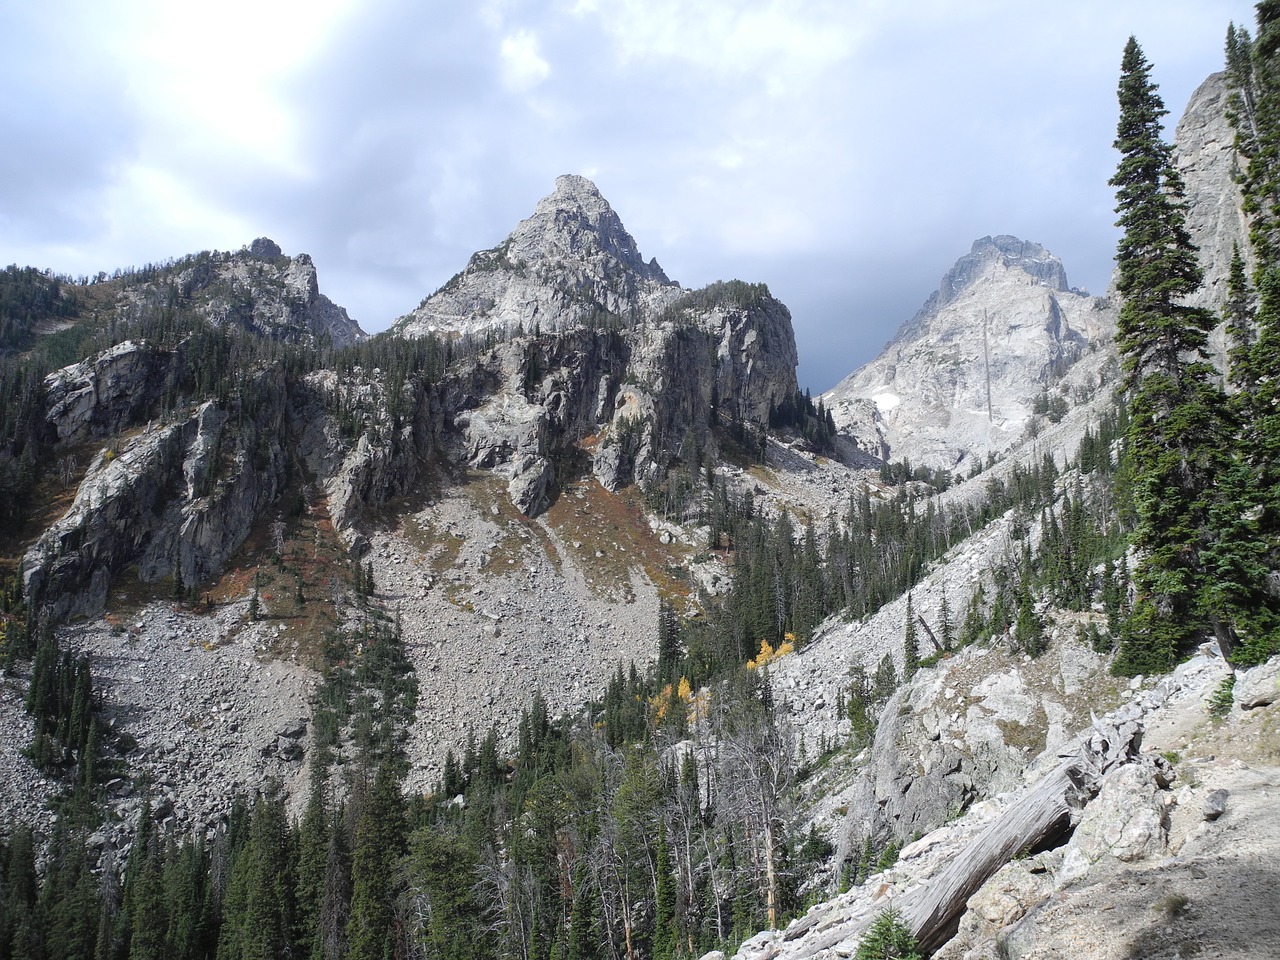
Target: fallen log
1041,815
1045,812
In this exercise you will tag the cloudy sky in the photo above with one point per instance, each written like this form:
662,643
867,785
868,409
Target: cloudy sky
846,152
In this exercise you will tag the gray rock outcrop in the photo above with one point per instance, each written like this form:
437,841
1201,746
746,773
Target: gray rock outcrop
962,732
630,399
1203,149
105,394
257,289
1258,686
176,500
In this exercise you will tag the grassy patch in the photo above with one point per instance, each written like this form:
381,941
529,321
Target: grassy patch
55,498
608,536
1027,737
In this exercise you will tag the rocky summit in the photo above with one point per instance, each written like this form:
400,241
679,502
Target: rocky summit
960,380
257,288
571,263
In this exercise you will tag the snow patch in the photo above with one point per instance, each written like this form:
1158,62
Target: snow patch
886,401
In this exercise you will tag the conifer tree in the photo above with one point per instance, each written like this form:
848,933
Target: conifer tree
378,840
1253,107
147,936
1176,433
1238,316
946,632
584,936
665,936
910,643
888,938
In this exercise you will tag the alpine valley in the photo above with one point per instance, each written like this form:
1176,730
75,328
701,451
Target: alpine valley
558,621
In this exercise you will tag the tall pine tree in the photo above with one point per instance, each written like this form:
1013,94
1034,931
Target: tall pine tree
1176,432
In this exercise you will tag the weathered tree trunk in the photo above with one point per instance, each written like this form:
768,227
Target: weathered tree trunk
1046,811
930,634
771,874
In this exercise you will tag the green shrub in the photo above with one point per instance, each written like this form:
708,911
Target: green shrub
1221,701
889,938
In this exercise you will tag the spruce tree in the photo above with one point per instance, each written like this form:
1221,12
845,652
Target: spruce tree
946,632
910,643
1176,432
376,847
666,941
1238,316
888,938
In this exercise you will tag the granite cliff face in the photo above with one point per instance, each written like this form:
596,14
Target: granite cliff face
1203,150
961,379
601,350
1204,153
570,263
171,499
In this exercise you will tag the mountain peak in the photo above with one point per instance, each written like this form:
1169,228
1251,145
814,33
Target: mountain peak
573,185
265,248
571,262
575,220
1001,252
959,380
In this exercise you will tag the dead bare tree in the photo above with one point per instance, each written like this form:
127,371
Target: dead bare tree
757,751
67,469
277,537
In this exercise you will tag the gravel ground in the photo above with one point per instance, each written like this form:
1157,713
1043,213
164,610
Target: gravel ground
24,793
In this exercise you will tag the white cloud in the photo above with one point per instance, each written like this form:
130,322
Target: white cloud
844,151
211,84
522,65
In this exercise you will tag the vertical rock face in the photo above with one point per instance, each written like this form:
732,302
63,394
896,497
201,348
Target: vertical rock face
1204,153
571,263
630,398
103,394
176,500
960,379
